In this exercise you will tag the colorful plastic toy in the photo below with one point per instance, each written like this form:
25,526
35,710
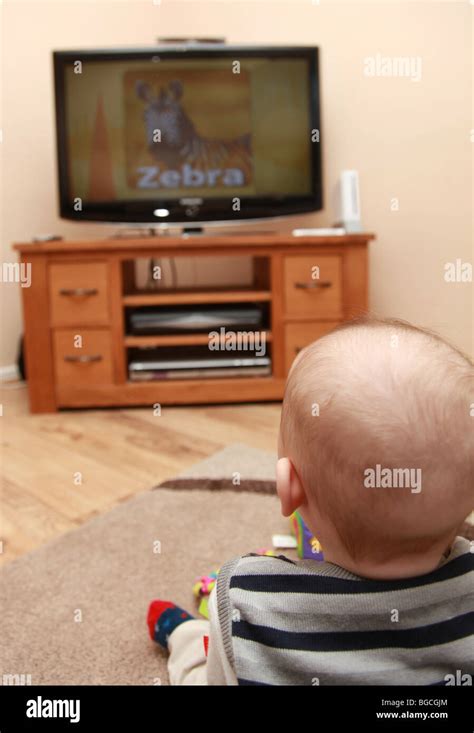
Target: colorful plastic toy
204,585
308,547
202,590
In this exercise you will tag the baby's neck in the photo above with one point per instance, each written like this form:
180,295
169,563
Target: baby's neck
403,567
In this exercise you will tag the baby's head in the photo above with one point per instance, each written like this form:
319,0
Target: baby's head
376,446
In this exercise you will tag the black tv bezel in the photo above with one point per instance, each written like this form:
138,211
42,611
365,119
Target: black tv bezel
212,209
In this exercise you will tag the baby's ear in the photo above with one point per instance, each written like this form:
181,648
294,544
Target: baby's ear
289,488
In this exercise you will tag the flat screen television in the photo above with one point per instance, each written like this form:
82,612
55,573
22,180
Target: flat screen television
187,134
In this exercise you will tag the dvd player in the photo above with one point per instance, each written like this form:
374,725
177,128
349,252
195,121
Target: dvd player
192,319
187,362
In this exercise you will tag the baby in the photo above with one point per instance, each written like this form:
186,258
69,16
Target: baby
376,453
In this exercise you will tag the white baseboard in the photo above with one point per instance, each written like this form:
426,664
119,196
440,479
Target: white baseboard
9,373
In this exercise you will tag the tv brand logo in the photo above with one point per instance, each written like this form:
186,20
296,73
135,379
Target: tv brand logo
191,202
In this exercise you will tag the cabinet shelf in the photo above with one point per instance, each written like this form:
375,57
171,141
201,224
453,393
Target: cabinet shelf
195,296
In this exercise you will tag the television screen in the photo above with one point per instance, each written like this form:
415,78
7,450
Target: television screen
190,134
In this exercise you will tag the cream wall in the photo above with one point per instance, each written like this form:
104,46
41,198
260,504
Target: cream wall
409,140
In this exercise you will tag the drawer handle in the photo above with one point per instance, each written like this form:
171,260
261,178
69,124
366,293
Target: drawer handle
84,359
313,285
78,291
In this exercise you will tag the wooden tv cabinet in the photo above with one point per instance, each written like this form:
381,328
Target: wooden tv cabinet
76,344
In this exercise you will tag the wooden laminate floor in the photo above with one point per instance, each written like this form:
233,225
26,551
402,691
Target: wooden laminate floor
59,470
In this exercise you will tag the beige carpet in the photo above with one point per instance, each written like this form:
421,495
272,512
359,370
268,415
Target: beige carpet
106,572
74,611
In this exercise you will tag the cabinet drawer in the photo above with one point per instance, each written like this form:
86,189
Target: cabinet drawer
313,286
88,364
79,294
299,335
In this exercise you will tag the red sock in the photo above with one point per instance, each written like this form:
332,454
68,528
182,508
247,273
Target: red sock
163,618
154,613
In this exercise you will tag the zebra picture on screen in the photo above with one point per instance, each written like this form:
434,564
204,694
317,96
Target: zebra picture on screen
184,157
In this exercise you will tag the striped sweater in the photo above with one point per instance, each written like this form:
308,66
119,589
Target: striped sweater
309,623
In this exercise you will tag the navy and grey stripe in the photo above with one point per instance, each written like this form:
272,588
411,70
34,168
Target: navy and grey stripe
344,641
321,584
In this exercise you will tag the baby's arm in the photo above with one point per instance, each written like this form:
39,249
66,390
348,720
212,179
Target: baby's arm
219,670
